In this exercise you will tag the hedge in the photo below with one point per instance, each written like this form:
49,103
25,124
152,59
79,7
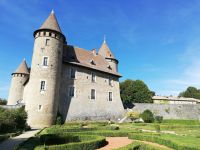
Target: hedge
136,145
160,140
73,141
3,137
88,142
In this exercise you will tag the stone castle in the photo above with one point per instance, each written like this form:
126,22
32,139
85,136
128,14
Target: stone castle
77,83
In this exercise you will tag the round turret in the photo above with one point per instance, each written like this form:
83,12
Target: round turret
107,54
19,79
43,87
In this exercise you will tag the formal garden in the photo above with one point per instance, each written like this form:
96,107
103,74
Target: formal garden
153,134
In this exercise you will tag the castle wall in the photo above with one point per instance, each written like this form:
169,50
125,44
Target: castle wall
16,88
42,105
81,106
171,111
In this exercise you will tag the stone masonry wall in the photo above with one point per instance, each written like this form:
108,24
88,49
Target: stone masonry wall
171,111
81,106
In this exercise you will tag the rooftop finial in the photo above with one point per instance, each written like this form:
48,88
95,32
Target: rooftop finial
52,11
104,39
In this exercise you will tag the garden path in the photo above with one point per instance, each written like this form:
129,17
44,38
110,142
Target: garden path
10,143
116,142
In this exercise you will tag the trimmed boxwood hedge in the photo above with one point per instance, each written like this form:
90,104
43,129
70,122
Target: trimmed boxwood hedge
88,142
137,145
160,140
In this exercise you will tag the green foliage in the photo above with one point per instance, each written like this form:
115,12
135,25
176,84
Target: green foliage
114,127
135,92
171,141
181,122
139,145
147,116
12,120
3,101
133,115
59,119
3,137
157,128
159,119
90,133
64,141
191,92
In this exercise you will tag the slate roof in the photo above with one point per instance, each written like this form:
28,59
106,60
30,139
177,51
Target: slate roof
85,58
23,68
51,23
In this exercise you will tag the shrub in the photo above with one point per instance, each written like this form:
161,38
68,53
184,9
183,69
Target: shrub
133,115
147,116
157,128
159,119
12,120
59,119
114,127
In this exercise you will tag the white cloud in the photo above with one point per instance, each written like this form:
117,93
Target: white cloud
190,75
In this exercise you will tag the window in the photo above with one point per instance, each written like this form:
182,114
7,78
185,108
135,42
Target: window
72,73
93,77
71,91
49,34
42,86
110,81
47,42
39,107
93,94
110,96
45,61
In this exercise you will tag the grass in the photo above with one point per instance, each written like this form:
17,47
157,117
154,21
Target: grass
187,133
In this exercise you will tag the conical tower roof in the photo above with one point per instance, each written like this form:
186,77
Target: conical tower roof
23,68
105,51
51,23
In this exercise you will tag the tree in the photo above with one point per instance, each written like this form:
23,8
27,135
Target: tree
3,101
147,116
133,115
191,92
135,92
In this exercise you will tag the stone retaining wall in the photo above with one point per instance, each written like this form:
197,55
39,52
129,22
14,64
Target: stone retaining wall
171,111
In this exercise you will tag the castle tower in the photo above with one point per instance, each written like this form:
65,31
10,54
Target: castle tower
19,78
43,88
107,54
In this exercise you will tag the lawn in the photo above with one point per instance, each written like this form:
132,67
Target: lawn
91,135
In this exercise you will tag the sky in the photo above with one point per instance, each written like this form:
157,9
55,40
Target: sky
155,41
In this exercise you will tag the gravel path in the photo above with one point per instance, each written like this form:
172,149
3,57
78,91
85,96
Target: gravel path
116,142
12,142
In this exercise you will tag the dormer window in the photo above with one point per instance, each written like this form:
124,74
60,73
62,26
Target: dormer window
109,67
92,62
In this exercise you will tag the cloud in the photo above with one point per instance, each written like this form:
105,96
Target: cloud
190,74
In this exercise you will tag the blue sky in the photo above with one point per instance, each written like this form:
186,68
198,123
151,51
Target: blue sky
156,41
